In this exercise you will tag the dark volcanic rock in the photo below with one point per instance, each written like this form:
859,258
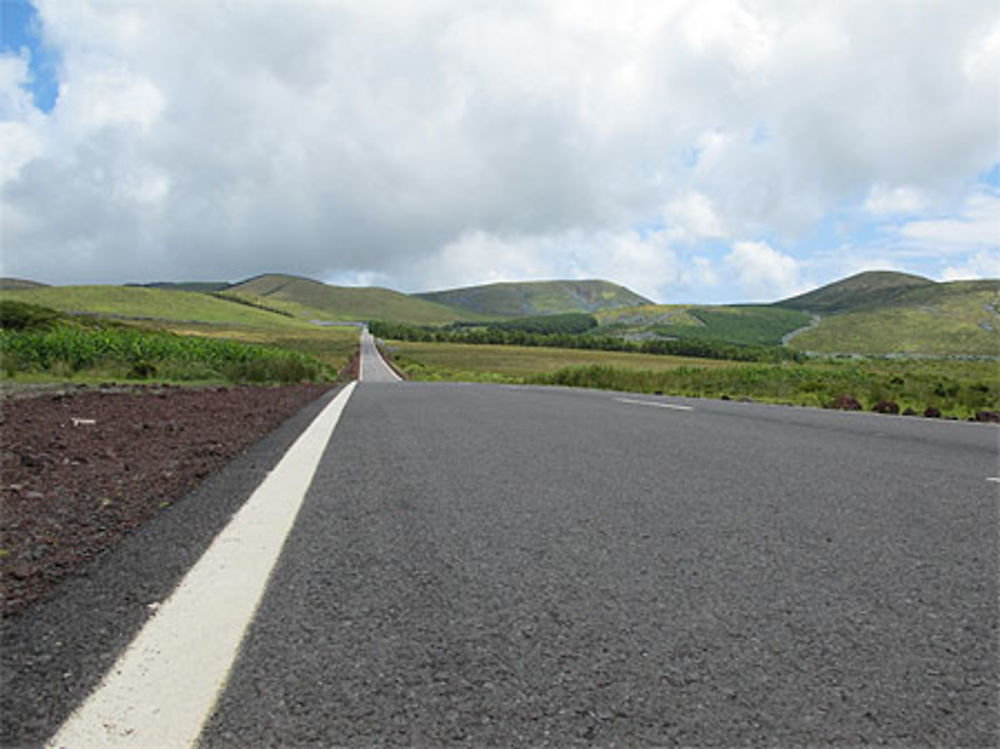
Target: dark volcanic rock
988,416
932,413
886,407
846,403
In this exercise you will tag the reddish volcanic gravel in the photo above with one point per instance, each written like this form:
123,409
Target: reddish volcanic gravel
80,468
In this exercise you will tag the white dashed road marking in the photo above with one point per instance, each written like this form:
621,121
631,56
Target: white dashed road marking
165,684
654,404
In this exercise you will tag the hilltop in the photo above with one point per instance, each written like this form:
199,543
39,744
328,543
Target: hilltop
537,297
868,289
8,284
307,297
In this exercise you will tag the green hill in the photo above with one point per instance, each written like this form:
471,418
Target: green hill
19,283
140,303
897,313
343,302
536,298
205,287
868,289
747,325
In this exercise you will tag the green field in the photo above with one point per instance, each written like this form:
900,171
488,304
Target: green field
140,303
41,344
958,388
463,362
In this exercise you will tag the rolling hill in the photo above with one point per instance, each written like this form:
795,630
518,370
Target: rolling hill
205,287
142,303
747,325
895,313
7,284
310,297
863,290
536,298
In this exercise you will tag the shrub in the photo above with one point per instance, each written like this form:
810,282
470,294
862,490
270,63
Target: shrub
21,316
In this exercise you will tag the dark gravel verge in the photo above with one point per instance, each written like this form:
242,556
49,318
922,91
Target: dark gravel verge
54,652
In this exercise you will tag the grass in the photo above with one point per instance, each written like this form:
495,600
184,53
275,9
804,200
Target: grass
132,302
746,325
536,297
346,303
41,345
957,388
123,352
332,345
463,362
952,324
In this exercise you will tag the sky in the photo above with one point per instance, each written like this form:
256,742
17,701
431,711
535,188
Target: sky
701,151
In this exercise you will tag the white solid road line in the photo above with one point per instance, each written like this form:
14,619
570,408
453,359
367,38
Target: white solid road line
654,404
993,478
166,683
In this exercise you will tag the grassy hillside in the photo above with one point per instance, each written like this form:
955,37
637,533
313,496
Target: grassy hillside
927,318
205,287
136,302
536,298
965,323
864,290
19,283
749,325
345,303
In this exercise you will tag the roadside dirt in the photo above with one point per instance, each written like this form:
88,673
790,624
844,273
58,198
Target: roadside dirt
81,467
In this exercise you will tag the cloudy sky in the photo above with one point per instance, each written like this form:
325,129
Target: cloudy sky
693,151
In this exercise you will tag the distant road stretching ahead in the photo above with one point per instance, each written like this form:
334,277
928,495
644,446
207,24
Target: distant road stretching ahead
373,367
488,565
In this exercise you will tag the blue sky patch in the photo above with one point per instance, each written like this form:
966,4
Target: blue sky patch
20,28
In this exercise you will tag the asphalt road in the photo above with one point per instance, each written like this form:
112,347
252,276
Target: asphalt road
514,566
486,565
373,367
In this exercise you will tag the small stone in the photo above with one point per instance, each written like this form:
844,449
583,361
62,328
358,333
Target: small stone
22,572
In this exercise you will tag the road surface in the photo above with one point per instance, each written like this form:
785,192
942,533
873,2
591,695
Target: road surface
489,565
373,367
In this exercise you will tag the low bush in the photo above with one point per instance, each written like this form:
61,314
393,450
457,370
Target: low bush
134,353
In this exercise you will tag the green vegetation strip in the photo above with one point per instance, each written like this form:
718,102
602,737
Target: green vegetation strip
506,336
35,340
956,388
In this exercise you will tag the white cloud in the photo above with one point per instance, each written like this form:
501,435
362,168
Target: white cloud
646,265
691,216
978,265
977,226
883,200
762,271
373,140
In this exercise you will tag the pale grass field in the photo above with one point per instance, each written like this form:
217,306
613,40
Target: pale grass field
465,361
